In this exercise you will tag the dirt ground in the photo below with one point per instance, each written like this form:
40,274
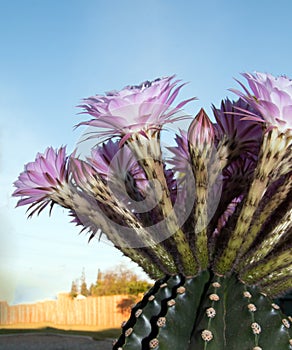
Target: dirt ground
47,341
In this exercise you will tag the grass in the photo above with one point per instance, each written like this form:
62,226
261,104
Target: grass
111,333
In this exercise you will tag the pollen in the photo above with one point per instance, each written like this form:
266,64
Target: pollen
181,290
153,343
252,307
161,321
247,295
138,313
152,297
214,297
207,335
171,302
163,285
216,285
286,323
128,332
256,328
211,312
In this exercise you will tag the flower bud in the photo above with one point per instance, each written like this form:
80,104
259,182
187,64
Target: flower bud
201,132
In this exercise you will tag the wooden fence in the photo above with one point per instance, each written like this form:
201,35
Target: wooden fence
102,312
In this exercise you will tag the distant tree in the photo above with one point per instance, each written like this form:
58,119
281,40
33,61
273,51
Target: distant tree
74,289
83,288
99,277
126,304
91,289
121,280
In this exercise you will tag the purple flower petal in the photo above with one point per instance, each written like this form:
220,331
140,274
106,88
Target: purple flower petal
270,97
41,178
238,122
134,108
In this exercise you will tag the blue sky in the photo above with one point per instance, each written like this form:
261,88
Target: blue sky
53,53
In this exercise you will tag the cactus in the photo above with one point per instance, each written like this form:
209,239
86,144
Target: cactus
154,319
205,312
236,316
214,230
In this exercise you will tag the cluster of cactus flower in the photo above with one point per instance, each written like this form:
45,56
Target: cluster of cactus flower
211,223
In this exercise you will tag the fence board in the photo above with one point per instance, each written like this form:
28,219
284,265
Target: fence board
101,312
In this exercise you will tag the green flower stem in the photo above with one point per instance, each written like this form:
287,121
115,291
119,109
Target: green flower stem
273,203
265,267
269,208
78,203
235,244
148,154
271,160
279,275
181,243
200,160
276,289
102,194
224,154
278,234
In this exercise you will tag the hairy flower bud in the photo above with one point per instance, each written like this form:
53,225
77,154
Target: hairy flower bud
201,131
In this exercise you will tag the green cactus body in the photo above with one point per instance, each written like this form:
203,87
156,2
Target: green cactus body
205,313
154,319
234,316
186,304
149,309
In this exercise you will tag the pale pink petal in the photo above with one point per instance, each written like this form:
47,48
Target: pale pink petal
134,108
271,96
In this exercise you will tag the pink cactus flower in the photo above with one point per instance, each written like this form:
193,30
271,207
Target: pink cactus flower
271,96
135,109
43,179
181,159
243,135
114,162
